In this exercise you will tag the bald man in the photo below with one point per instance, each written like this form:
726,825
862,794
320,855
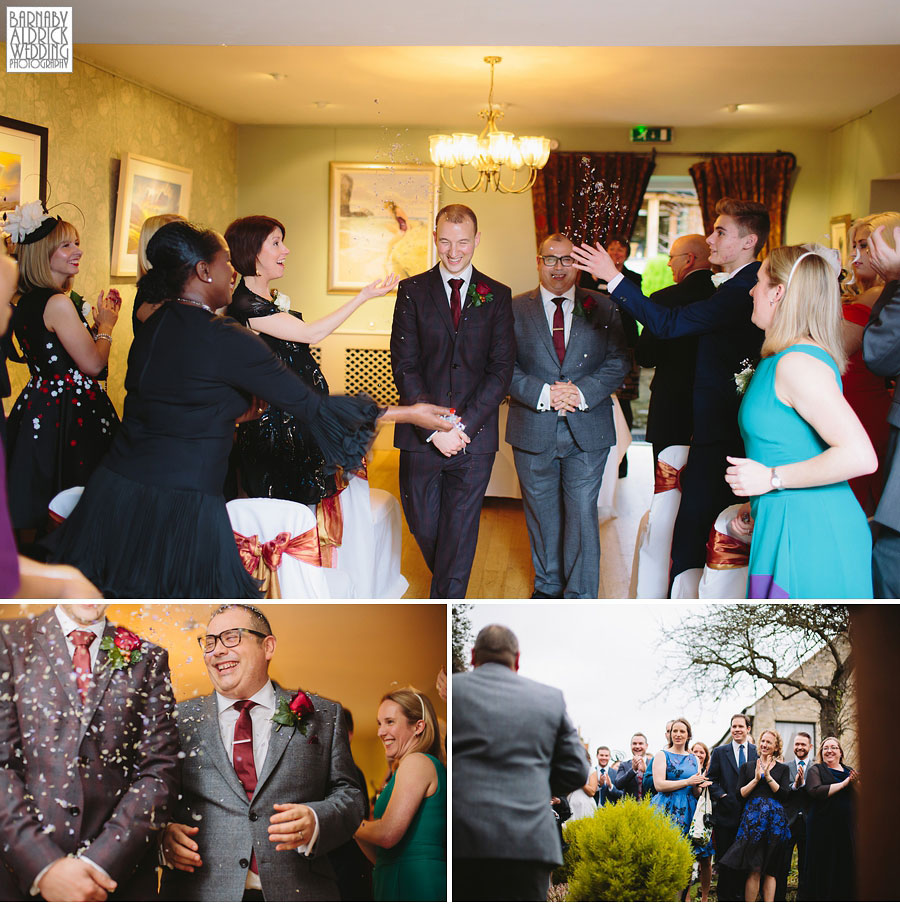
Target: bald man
670,419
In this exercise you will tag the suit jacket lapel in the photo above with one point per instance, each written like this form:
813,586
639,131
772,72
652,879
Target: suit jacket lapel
439,299
208,731
101,680
51,641
539,322
733,760
278,741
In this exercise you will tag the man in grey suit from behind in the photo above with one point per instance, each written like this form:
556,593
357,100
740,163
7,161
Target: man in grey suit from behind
514,748
268,781
571,356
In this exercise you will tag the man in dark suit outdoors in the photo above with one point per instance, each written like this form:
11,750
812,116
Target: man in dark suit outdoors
724,766
727,342
881,352
570,357
607,792
670,416
514,748
269,784
796,808
632,778
452,344
88,758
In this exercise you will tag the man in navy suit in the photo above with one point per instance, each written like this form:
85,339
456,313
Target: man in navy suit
727,342
724,766
607,792
632,778
570,358
796,808
452,343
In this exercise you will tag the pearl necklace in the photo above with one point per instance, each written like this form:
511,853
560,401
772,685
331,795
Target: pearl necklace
197,303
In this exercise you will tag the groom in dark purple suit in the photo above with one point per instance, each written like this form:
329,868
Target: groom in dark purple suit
452,344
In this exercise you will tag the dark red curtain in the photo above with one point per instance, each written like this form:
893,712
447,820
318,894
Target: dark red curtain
588,195
764,178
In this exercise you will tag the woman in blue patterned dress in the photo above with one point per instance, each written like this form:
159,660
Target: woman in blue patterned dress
761,843
677,778
803,441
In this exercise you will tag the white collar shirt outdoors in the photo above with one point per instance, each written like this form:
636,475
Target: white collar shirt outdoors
68,625
465,275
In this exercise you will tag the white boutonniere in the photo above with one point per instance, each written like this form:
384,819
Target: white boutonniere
281,300
742,378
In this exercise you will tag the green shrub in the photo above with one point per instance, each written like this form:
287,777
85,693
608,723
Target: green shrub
656,275
629,852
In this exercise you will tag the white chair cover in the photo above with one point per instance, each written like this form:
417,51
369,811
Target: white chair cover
371,542
504,481
720,580
266,518
63,503
606,499
686,585
653,548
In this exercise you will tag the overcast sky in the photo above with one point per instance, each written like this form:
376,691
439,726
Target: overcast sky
609,661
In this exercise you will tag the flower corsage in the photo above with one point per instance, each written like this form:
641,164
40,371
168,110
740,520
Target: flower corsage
281,300
296,713
742,378
123,647
584,308
479,294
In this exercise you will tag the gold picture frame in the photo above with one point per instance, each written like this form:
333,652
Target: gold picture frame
146,187
840,229
381,218
23,163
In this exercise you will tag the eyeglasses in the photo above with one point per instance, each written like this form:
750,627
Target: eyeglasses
677,255
229,638
552,260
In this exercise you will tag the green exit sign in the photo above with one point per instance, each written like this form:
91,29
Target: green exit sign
651,133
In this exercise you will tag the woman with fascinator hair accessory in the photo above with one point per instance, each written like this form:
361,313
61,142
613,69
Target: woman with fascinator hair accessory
152,521
808,535
63,422
407,839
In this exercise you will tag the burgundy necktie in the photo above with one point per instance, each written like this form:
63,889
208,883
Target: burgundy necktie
455,301
242,755
81,660
559,329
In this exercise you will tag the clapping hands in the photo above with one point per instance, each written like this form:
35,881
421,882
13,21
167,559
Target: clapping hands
106,312
884,259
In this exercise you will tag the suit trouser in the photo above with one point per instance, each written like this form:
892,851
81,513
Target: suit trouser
442,498
559,493
497,880
704,495
730,887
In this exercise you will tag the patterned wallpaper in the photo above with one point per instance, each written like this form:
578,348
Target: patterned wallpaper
95,117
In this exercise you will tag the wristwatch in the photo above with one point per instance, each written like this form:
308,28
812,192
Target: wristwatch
775,479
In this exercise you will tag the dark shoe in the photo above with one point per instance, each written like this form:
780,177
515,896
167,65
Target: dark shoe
537,594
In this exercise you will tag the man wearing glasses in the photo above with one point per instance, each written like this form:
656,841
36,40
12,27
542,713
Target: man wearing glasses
670,417
268,788
571,356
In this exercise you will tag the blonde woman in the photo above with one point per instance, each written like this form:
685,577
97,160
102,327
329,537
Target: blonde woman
144,308
407,839
62,423
803,441
760,846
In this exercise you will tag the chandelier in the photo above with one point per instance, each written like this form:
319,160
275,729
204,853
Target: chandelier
488,152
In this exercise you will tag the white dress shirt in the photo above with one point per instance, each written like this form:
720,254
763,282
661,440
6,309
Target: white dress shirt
568,309
737,753
466,276
261,720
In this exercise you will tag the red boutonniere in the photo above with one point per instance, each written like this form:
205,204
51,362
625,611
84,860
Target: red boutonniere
124,648
584,308
479,294
296,713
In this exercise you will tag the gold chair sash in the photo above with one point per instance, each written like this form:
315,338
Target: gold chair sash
330,516
725,553
262,559
666,478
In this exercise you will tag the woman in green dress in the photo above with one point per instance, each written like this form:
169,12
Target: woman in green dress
407,839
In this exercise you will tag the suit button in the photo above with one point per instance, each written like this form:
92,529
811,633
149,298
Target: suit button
74,810
454,365
244,863
254,817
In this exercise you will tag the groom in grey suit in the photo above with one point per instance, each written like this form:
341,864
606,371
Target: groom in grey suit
514,748
268,782
571,356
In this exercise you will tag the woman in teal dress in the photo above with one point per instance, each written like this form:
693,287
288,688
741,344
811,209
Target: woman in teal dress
407,840
809,536
677,778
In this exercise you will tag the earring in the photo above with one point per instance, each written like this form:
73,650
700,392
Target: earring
208,280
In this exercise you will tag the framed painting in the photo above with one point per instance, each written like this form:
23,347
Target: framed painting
381,218
23,163
840,227
146,187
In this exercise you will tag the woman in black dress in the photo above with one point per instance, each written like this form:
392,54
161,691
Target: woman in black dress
276,456
760,845
152,521
63,422
830,826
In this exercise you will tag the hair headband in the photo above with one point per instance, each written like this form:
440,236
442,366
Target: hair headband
831,257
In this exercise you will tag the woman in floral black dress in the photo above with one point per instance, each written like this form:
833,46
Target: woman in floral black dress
275,456
63,422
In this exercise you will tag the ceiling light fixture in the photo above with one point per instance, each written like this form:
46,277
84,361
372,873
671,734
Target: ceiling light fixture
488,152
